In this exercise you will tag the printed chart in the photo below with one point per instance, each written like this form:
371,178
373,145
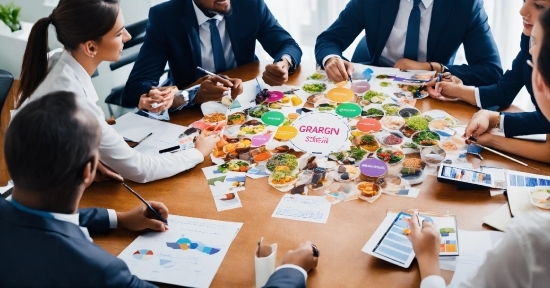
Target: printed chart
143,254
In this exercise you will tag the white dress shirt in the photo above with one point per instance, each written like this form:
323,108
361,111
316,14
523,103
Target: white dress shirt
207,55
395,46
66,74
520,260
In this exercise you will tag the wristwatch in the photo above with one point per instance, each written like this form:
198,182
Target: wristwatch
185,95
444,68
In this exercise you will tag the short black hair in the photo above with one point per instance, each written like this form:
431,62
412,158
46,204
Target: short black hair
47,145
543,63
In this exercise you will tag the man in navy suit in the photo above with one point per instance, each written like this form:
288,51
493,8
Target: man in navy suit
216,35
51,150
413,34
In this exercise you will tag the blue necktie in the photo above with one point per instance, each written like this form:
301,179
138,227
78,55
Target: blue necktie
413,33
217,47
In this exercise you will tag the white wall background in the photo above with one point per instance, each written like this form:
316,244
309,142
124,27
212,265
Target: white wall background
304,19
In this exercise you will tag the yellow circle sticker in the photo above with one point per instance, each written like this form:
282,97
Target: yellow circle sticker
340,95
285,133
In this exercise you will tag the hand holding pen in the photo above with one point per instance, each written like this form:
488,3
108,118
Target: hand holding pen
214,87
338,70
152,215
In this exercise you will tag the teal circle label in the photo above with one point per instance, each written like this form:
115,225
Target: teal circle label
348,110
273,118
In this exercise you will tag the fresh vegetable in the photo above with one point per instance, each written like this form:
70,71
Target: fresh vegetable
373,112
326,107
236,118
374,97
390,156
234,166
257,111
426,138
285,160
385,84
417,123
391,109
357,153
368,140
409,145
316,76
314,87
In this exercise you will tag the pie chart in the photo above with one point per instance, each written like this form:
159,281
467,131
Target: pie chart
143,254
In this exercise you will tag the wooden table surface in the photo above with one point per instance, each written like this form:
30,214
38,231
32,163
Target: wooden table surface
349,226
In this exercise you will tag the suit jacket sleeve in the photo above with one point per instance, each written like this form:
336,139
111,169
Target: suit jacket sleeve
525,123
286,278
504,92
95,219
150,63
118,275
484,66
342,32
274,39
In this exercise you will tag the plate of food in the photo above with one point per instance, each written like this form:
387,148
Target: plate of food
326,107
282,162
214,118
390,155
282,178
418,92
354,155
260,154
317,76
440,114
232,145
442,127
392,122
366,141
417,123
236,118
374,97
426,138
314,87
317,99
540,197
234,166
412,170
346,173
407,131
453,144
373,111
391,109
257,111
391,138
252,127
408,112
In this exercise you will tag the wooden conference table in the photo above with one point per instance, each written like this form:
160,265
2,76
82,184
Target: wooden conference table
349,226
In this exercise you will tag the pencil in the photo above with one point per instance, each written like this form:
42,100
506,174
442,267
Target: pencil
146,204
210,73
143,139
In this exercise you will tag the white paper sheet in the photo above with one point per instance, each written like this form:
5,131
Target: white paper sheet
189,254
303,208
519,184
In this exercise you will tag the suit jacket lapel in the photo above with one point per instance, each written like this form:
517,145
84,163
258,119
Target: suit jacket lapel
189,21
388,14
232,26
440,15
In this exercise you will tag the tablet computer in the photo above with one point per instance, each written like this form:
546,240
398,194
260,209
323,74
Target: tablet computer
488,177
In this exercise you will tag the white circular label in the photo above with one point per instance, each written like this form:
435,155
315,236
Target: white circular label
320,133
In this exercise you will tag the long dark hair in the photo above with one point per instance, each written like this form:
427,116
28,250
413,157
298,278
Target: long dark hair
75,22
543,63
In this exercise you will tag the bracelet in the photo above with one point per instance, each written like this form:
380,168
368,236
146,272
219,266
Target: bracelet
431,66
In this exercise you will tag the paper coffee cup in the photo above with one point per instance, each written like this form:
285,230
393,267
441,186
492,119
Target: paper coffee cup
265,263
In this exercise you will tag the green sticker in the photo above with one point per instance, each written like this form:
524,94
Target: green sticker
348,110
273,118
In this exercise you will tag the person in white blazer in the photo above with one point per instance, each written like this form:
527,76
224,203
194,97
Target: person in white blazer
93,31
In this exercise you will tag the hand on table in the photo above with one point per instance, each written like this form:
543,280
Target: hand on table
449,89
480,123
408,64
141,218
211,91
103,173
425,240
276,74
164,97
338,69
302,256
205,144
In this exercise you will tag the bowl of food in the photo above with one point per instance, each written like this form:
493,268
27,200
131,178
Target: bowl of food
392,122
287,162
412,170
452,144
432,156
392,138
214,118
236,118
257,111
317,77
346,173
366,141
407,131
426,138
282,178
373,111
317,99
234,166
374,97
540,197
314,87
408,112
350,157
326,107
442,127
391,109
368,191
252,127
417,123
390,155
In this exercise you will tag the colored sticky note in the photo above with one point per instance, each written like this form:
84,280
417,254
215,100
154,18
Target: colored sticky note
340,95
286,133
348,110
369,125
273,118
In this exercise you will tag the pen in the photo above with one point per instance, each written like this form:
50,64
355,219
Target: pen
170,149
315,250
349,78
146,204
143,139
210,73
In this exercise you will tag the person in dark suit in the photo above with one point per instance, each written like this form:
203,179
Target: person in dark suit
51,151
501,95
413,34
216,35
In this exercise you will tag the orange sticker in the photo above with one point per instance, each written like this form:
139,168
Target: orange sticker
340,95
369,125
286,133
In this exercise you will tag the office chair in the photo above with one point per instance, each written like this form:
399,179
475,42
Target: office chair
6,79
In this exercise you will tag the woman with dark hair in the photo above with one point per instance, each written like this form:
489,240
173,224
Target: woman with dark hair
92,31
521,258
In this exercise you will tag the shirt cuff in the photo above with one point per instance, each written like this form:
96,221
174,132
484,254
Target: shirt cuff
478,101
192,94
289,59
293,267
328,57
433,281
113,221
501,128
